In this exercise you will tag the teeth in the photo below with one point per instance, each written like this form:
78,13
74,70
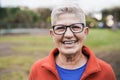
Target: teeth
68,42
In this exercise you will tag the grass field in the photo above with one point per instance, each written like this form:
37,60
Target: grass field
19,52
103,40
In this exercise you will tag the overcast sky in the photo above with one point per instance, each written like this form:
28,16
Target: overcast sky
87,5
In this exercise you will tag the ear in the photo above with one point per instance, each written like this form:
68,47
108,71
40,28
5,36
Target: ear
86,30
51,32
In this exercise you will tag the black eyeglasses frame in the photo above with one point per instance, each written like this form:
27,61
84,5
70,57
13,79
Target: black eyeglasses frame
68,26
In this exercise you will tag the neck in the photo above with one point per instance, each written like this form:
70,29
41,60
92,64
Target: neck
71,61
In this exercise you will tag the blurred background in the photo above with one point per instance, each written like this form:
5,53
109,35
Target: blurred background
24,33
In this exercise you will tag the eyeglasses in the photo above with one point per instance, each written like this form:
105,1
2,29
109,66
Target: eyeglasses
61,29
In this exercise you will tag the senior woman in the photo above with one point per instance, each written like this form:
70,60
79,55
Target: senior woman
71,59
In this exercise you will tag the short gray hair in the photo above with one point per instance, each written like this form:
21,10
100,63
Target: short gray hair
67,8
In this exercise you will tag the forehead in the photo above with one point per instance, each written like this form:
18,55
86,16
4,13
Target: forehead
67,19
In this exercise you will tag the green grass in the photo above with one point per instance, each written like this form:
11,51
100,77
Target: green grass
103,40
17,67
26,49
29,43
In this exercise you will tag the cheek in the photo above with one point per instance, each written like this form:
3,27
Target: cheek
81,37
57,39
84,37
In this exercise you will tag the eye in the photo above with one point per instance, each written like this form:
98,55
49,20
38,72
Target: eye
76,27
59,28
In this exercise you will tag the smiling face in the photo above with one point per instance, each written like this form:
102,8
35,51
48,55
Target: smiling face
69,42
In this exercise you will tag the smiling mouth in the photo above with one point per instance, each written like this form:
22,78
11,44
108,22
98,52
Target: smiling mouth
69,42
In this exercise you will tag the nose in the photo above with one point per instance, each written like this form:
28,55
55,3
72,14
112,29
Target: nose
68,33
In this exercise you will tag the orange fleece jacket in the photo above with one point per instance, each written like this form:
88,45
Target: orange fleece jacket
96,69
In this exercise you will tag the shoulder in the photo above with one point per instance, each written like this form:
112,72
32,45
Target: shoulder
104,65
38,64
106,69
36,67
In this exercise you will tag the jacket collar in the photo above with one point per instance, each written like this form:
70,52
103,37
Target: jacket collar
50,63
92,64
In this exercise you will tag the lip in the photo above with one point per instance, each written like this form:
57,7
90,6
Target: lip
69,43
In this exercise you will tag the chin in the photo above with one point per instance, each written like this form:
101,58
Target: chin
69,51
